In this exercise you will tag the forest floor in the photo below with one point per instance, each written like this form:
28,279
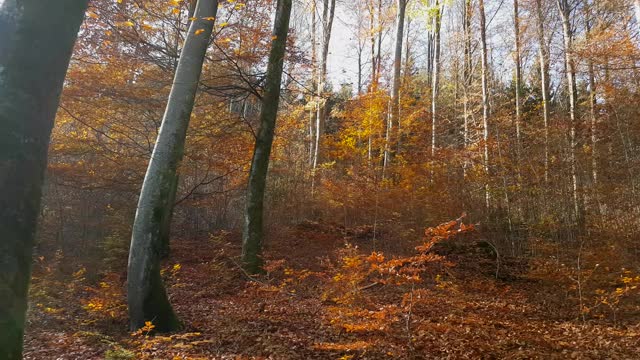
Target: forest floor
463,312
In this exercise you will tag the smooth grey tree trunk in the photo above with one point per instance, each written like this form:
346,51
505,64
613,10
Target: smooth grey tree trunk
543,55
314,75
485,98
253,230
636,6
394,116
567,32
436,76
592,107
36,42
468,76
518,84
147,297
328,14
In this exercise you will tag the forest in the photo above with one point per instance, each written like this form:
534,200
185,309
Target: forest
319,179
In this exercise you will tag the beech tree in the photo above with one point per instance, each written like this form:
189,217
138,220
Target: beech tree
30,87
565,9
485,97
328,14
146,294
253,232
394,116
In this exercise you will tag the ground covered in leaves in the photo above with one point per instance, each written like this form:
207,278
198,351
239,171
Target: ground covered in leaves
319,303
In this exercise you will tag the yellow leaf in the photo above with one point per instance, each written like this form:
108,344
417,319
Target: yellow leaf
175,11
223,24
198,32
210,18
92,15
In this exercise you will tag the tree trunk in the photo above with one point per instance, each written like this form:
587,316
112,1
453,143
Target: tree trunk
485,99
436,76
565,12
592,108
636,5
467,72
252,235
314,76
30,87
146,293
328,14
372,39
518,82
543,55
395,90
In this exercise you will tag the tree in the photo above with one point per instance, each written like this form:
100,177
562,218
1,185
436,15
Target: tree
435,87
543,55
30,87
328,14
636,5
565,12
518,79
253,231
485,97
147,297
394,117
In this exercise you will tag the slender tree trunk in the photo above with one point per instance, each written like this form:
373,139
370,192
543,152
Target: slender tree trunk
379,52
314,76
592,108
518,83
565,12
146,293
372,39
485,98
30,87
253,231
636,6
435,77
543,55
467,72
397,77
328,14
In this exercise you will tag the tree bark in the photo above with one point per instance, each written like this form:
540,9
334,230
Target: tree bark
592,106
147,297
567,32
314,76
518,83
543,55
394,117
253,231
467,72
435,77
328,14
485,98
30,87
636,6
